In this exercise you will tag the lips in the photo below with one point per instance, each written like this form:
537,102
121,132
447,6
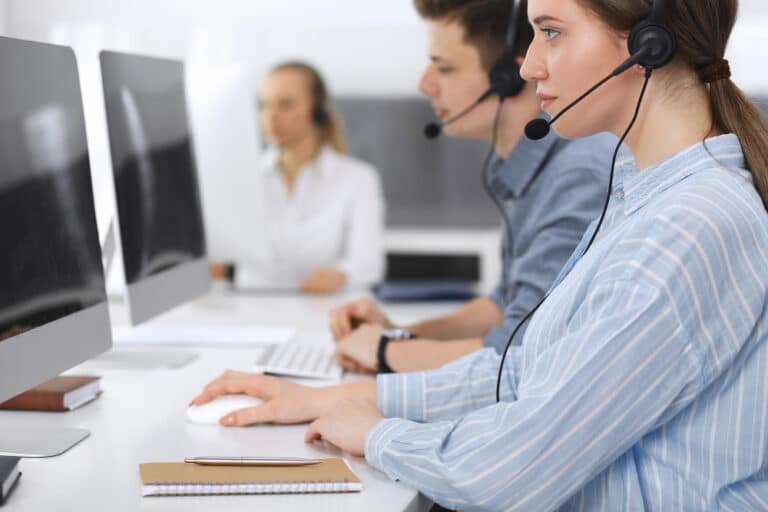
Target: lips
546,100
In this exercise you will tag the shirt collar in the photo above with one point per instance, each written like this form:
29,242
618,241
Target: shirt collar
323,164
514,175
639,187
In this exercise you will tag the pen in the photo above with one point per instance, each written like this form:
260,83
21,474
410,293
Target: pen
251,461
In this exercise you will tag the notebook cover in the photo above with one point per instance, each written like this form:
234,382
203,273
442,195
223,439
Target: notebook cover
48,396
181,473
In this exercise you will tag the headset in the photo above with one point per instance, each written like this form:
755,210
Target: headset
504,75
652,44
320,115
653,39
505,78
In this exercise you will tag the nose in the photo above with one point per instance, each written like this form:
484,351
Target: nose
533,68
427,84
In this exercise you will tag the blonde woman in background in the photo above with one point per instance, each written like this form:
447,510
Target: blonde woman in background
323,209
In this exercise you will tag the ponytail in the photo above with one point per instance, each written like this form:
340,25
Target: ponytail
733,112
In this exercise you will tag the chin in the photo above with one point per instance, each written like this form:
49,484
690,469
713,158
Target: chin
574,130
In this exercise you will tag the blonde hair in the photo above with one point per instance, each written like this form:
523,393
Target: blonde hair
324,115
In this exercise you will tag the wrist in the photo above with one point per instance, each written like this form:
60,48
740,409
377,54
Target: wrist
322,399
386,339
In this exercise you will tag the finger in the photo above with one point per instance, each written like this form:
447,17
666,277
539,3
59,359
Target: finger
314,432
347,363
232,384
364,309
249,416
206,394
346,317
337,323
354,365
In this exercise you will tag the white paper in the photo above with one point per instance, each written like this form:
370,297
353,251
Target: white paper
206,335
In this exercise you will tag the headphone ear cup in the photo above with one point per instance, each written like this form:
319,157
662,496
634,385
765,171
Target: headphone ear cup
661,42
320,116
505,78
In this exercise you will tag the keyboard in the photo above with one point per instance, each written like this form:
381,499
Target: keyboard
298,360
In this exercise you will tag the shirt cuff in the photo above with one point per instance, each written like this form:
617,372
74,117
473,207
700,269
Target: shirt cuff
379,437
402,395
497,297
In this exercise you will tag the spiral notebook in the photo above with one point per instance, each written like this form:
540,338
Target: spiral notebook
185,479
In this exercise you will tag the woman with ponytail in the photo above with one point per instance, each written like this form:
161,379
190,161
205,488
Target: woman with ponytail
642,380
323,209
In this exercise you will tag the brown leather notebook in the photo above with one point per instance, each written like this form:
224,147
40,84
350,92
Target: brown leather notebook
186,479
62,393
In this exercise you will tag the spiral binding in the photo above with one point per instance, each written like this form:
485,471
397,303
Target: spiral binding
221,488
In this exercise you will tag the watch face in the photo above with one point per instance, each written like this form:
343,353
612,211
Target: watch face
398,334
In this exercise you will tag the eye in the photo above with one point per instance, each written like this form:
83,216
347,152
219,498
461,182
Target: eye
443,70
550,33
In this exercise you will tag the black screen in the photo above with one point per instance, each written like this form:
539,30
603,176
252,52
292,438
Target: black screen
50,259
158,202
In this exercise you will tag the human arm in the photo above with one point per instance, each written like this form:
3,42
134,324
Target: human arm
359,351
575,410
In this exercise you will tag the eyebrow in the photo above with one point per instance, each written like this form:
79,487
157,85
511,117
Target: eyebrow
544,18
437,58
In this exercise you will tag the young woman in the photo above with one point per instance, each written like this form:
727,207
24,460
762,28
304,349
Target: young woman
324,210
641,381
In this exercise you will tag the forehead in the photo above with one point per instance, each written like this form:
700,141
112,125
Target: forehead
561,10
285,81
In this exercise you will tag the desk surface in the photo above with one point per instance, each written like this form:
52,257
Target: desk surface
141,418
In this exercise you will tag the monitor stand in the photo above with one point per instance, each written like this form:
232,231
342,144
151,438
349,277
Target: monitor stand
146,359
31,441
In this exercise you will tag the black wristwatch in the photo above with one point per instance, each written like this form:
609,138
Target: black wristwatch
386,337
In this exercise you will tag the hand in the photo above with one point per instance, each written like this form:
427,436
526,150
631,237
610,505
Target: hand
285,402
350,316
359,350
324,280
346,425
219,270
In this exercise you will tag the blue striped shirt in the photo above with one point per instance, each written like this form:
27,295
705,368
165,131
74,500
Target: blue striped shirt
642,382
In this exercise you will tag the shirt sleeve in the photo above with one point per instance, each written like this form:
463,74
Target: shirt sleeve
621,372
363,260
457,388
569,205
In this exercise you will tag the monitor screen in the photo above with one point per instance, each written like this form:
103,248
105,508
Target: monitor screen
50,259
159,211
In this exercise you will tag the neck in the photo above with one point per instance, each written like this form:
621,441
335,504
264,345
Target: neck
516,113
295,156
667,125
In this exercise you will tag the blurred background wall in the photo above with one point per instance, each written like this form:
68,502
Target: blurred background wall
365,49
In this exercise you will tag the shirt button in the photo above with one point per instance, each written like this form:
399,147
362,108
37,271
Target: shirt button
619,194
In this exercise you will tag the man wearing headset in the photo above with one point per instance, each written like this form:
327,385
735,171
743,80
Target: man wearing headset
548,192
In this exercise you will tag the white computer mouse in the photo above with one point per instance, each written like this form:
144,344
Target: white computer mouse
213,411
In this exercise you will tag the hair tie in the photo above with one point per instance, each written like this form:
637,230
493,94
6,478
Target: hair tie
714,71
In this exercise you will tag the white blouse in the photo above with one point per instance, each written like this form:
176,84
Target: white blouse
334,218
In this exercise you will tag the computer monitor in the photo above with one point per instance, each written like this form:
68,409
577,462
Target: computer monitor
53,308
159,212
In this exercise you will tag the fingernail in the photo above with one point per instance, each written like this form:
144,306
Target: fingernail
229,420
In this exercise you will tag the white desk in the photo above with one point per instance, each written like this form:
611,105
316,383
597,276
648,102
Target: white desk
141,418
